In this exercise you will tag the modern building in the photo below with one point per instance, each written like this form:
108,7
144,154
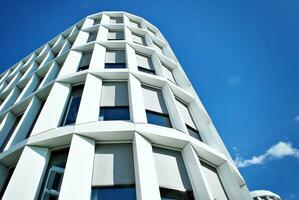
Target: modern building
105,111
264,195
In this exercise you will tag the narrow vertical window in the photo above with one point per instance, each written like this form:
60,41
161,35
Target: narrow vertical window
156,110
92,36
7,179
189,122
172,175
145,64
16,123
85,61
72,109
139,39
169,73
214,181
54,175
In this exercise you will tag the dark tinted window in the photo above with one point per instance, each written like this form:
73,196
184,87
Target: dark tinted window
113,193
168,194
158,119
10,172
92,36
114,113
193,132
73,106
115,65
18,118
141,69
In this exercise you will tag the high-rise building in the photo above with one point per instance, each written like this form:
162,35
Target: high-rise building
105,111
264,195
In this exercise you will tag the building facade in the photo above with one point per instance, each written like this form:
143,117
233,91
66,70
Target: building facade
264,195
105,111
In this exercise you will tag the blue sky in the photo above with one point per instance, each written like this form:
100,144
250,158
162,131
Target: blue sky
241,57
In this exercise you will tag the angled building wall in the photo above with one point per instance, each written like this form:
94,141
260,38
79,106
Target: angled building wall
104,110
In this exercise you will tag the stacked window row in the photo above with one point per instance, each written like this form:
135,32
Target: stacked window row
59,45
113,174
114,105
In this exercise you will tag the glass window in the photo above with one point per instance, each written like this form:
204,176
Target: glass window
115,59
158,119
54,175
113,193
114,113
17,120
97,21
139,39
141,69
168,194
116,20
193,132
73,106
85,61
145,64
92,36
4,186
115,35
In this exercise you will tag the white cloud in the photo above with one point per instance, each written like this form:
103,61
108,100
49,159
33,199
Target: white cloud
277,151
296,119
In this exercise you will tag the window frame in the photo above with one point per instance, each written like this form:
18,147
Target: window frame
57,170
165,116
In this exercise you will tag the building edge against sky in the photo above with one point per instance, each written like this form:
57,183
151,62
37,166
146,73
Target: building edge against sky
105,108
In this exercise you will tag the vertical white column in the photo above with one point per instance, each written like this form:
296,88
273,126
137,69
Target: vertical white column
137,109
53,109
71,63
195,173
87,23
97,61
177,122
131,58
147,185
76,184
230,183
27,177
105,19
81,38
90,101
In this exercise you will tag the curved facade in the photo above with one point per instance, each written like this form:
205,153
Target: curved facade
264,195
103,111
